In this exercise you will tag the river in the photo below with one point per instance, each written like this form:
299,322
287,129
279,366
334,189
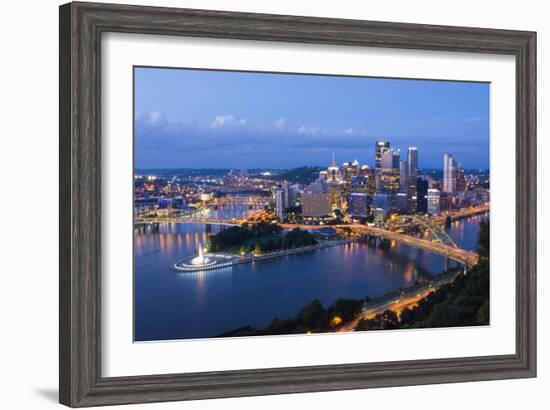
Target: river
181,305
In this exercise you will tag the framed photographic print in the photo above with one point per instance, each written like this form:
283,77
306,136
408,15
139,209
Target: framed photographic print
262,204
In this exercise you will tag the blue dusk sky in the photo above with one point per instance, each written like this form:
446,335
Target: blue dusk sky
221,119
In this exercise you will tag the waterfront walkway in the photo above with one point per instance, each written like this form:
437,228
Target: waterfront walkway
295,251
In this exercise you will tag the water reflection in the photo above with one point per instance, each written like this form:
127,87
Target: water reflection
171,305
201,275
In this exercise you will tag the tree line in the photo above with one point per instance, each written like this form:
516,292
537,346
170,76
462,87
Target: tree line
262,237
313,317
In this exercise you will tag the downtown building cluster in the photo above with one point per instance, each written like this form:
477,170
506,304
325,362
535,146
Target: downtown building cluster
394,185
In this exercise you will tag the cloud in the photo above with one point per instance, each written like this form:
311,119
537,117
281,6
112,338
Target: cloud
280,124
155,132
234,142
154,117
308,130
229,120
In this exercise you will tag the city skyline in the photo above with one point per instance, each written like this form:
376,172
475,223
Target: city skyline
371,164
233,233
248,120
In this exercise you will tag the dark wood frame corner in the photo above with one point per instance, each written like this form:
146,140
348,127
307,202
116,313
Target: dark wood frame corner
81,27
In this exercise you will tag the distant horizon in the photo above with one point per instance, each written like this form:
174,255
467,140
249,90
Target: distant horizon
187,118
272,168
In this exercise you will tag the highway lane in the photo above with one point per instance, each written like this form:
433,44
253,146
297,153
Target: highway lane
396,304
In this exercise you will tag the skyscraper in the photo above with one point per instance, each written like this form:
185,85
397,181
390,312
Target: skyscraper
421,196
460,179
293,191
444,201
449,174
333,171
401,202
404,177
371,179
412,160
350,170
279,195
286,194
389,171
433,201
383,201
379,148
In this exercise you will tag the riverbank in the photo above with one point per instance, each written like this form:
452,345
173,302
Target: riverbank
295,251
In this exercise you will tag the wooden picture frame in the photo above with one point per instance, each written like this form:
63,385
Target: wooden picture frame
81,27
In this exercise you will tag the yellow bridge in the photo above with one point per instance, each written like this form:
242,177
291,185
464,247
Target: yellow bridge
460,255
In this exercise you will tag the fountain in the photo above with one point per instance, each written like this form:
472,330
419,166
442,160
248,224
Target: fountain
205,261
200,259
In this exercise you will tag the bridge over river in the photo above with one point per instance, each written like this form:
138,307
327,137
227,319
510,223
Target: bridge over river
451,251
460,255
189,220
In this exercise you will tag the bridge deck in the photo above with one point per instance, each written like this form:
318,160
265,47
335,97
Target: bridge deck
457,254
468,258
231,222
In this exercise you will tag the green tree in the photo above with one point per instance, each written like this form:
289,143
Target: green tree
389,319
483,239
347,309
483,314
257,249
362,325
383,321
338,217
407,317
312,316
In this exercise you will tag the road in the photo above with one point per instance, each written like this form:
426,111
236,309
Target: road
407,299
396,304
